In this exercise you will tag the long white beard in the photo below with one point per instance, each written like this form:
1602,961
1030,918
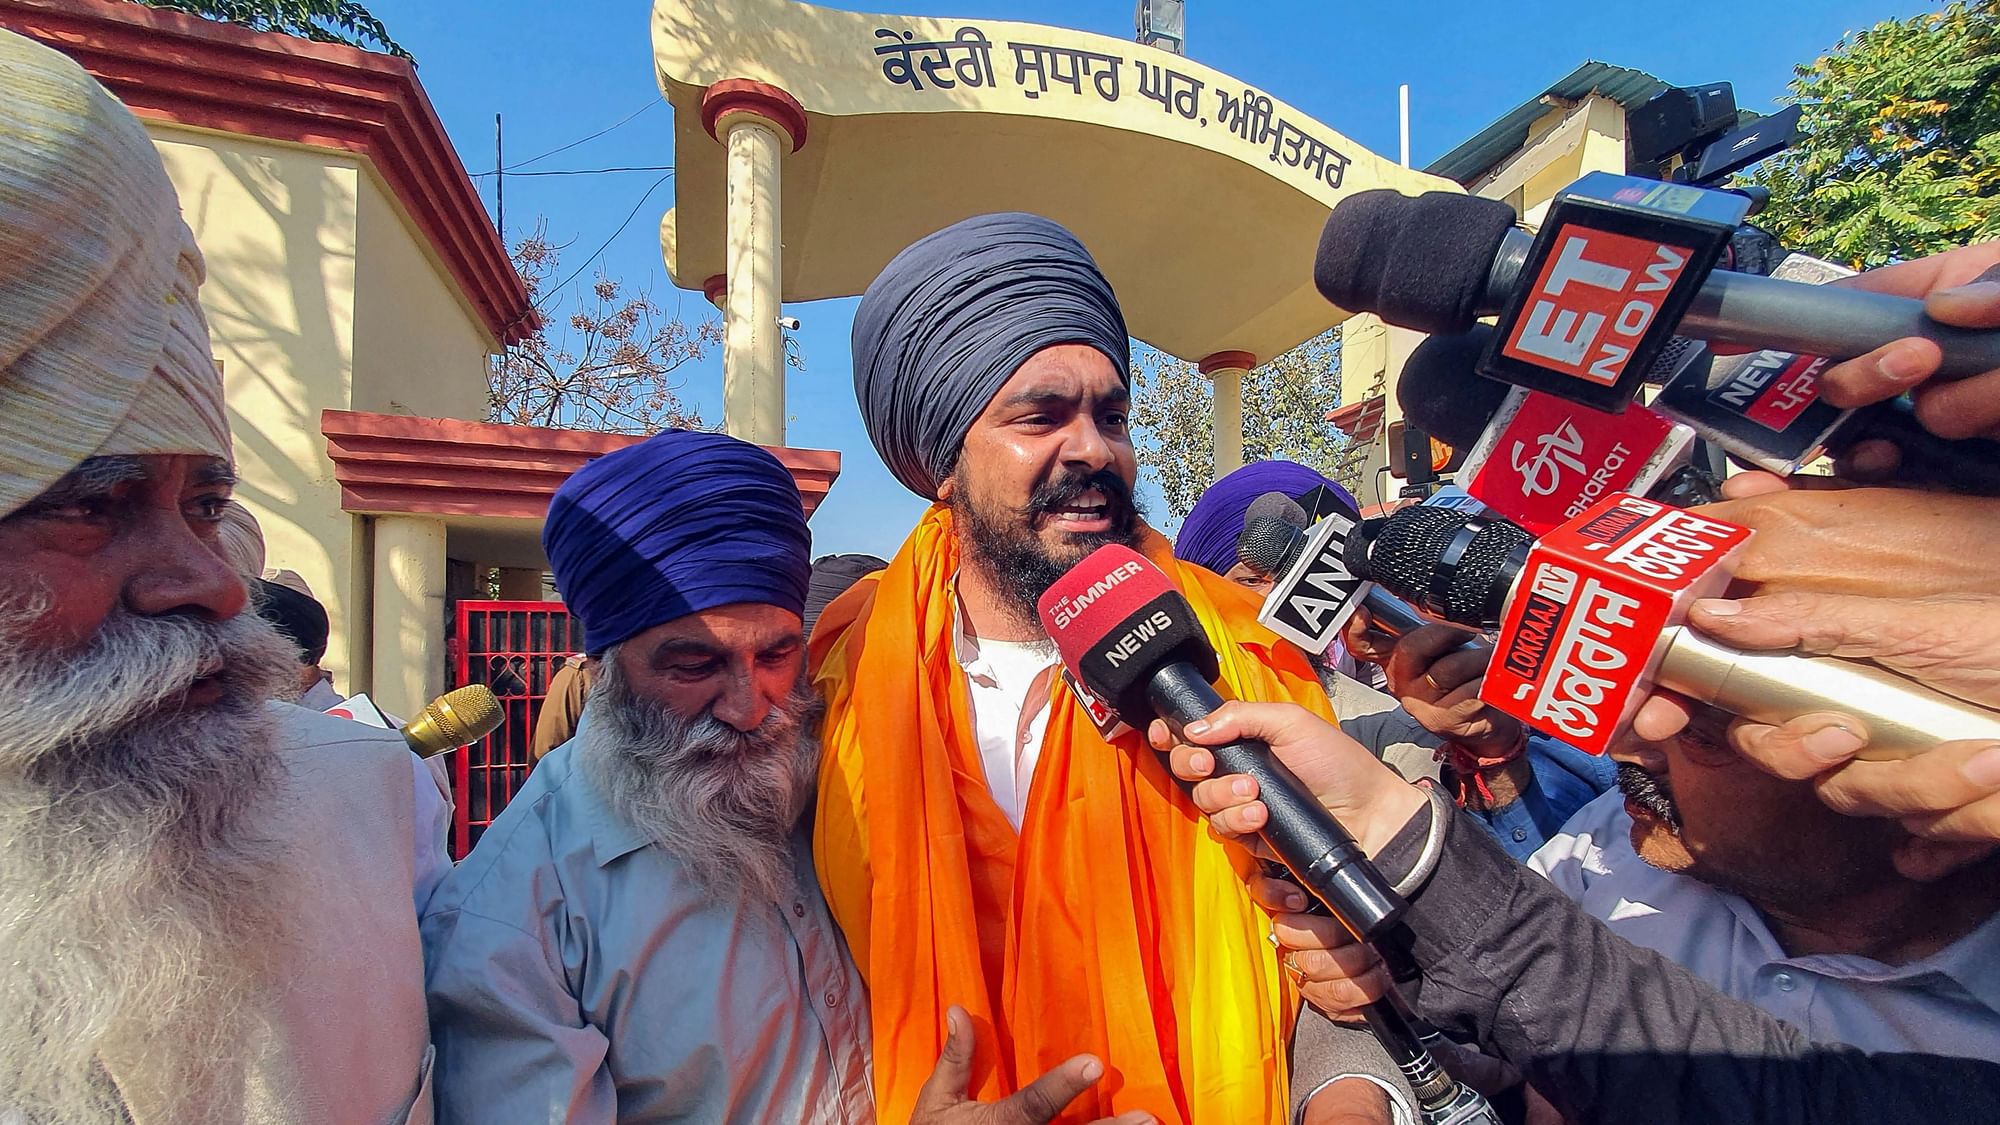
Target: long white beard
721,802
133,904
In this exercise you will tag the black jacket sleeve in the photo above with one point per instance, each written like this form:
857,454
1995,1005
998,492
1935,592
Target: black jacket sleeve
1609,1032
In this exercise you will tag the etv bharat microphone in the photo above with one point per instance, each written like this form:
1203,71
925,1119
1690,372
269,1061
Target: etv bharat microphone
1587,306
1589,618
1129,639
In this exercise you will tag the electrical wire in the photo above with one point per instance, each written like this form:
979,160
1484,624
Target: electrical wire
582,171
622,121
585,264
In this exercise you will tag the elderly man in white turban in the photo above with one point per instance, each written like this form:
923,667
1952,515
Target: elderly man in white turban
208,901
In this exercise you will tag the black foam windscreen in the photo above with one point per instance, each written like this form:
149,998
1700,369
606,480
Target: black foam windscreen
1443,394
1410,558
1269,545
1418,262
1273,534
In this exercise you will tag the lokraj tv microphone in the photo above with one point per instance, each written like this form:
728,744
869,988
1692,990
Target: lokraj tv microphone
1534,458
1590,616
1620,266
1132,640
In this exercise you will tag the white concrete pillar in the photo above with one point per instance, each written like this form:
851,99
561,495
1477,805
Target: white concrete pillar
756,122
1226,371
409,653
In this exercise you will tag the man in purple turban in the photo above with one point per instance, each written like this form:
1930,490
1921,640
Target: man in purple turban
638,936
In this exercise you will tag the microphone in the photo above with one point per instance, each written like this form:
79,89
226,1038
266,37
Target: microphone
1532,457
1621,264
1589,618
459,717
1130,638
1313,594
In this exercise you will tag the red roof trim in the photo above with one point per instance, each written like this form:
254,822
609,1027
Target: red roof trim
395,464
169,66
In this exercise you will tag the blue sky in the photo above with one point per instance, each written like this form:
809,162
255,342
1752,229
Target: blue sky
558,72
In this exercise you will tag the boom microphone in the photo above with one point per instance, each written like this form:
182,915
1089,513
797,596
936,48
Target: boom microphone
1439,261
459,717
1131,639
1589,619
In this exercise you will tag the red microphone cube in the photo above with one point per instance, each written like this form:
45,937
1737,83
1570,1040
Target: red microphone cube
1580,634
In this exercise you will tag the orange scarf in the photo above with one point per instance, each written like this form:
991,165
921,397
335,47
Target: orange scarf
1115,922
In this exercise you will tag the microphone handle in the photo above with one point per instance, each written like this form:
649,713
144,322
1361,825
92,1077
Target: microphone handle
1396,617
1327,862
1903,717
1766,312
1306,838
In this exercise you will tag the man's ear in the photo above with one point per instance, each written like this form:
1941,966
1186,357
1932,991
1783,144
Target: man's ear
946,487
1926,861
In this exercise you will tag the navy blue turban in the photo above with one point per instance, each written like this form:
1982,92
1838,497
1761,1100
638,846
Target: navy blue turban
1208,535
952,317
679,523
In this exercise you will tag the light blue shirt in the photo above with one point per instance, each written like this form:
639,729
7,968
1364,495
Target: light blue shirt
1944,1004
578,974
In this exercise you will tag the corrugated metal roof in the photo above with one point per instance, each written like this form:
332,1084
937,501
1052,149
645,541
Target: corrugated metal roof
1492,144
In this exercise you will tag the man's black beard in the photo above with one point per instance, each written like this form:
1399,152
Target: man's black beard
1002,542
1650,792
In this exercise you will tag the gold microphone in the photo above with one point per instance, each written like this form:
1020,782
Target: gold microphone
459,717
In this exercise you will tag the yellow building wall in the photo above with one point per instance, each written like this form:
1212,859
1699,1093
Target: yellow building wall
417,348
320,296
276,225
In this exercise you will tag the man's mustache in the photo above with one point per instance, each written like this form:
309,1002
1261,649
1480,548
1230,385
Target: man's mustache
1649,791
1066,489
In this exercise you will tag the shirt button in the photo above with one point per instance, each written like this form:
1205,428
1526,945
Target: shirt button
832,1001
1520,834
798,910
1785,982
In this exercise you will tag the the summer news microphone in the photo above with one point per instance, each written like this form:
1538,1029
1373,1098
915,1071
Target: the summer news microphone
1132,640
1589,618
1620,266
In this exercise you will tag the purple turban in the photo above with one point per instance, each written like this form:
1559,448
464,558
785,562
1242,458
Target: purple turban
681,522
1208,535
952,317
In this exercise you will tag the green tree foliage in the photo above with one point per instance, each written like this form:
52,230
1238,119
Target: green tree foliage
323,21
1284,410
1901,152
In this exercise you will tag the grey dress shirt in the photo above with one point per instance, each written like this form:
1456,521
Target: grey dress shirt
577,974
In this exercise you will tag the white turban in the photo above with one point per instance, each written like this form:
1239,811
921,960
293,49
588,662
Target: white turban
103,346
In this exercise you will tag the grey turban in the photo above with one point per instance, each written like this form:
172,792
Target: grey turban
952,317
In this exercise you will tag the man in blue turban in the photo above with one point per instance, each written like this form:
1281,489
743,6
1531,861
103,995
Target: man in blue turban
638,935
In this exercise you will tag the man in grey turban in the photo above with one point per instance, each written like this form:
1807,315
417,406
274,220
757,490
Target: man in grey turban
208,900
991,363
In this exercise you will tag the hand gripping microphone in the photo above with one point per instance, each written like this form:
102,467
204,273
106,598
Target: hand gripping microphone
459,717
1589,618
1132,640
1621,265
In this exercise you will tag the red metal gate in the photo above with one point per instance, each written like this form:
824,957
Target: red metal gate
513,648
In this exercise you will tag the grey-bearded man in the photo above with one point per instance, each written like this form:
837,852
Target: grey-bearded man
208,900
638,936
